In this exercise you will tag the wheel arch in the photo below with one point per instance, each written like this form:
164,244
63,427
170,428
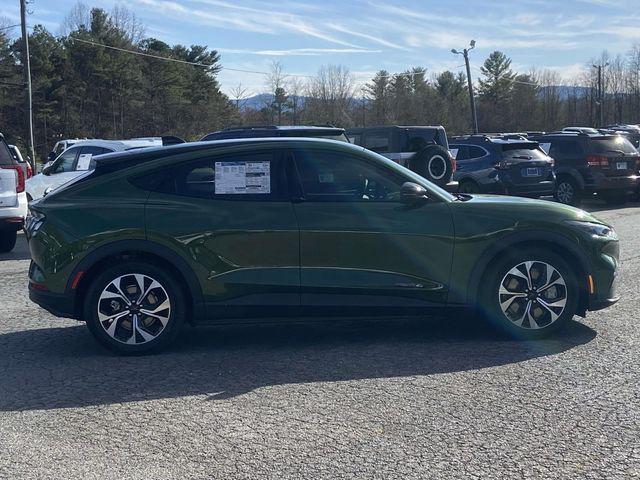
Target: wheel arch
571,174
142,250
554,242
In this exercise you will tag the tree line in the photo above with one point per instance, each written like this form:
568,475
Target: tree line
87,83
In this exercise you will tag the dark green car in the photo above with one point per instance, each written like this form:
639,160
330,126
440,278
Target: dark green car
259,230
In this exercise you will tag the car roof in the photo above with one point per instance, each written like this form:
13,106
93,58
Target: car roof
120,145
404,127
158,152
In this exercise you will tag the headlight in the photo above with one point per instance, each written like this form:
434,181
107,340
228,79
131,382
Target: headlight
33,222
594,229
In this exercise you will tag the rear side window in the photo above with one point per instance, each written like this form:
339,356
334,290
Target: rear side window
476,152
377,142
249,177
568,148
5,155
612,145
86,160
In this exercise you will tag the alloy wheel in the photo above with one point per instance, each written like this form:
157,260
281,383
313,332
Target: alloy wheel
532,295
565,192
134,309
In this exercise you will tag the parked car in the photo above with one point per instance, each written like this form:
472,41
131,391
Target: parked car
511,166
76,159
423,150
13,200
269,131
587,130
587,164
61,146
630,132
257,229
26,167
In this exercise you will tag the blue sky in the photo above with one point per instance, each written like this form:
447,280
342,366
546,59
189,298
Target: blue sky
369,35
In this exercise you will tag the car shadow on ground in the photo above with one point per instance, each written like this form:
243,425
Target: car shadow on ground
63,367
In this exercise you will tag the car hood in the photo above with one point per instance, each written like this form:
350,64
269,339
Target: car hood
525,210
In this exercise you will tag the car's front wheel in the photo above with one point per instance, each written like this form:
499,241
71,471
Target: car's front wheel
134,307
530,294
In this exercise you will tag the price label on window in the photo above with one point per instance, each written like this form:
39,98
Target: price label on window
84,161
243,178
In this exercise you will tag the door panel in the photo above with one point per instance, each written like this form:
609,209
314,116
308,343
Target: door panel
368,253
244,248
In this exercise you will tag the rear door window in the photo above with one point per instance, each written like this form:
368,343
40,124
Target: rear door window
476,152
85,159
258,176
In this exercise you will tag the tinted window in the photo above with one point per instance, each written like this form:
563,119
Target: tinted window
476,152
255,176
66,161
5,155
355,138
523,152
377,142
569,148
416,140
86,160
462,152
612,145
336,177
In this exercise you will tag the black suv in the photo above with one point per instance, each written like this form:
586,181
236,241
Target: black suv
269,131
424,150
585,164
507,164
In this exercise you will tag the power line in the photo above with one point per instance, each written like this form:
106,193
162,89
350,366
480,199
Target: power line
10,26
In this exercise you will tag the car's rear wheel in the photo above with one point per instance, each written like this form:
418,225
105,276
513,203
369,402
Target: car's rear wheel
530,294
134,307
7,241
568,192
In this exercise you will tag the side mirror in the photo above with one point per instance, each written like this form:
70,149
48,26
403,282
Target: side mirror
48,168
412,193
47,191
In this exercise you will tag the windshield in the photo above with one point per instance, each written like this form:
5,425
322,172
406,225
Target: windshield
615,144
523,151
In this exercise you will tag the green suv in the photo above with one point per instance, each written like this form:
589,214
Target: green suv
258,230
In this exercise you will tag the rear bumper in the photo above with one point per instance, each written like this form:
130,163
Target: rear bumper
540,189
11,224
624,184
60,305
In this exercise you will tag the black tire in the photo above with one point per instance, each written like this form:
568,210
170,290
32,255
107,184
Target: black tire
164,335
433,163
568,192
7,241
543,324
468,186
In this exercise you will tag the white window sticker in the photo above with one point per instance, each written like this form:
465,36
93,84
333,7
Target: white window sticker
546,147
243,177
84,161
325,177
454,152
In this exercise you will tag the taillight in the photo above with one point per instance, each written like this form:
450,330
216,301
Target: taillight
20,184
597,161
29,171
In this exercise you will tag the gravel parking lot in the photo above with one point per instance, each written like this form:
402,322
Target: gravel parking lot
409,400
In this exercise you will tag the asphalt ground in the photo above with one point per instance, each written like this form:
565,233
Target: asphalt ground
377,400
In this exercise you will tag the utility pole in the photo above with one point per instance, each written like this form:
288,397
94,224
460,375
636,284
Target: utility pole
472,100
600,94
26,69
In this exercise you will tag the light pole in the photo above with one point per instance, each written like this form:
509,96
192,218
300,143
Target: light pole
26,69
600,93
472,100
